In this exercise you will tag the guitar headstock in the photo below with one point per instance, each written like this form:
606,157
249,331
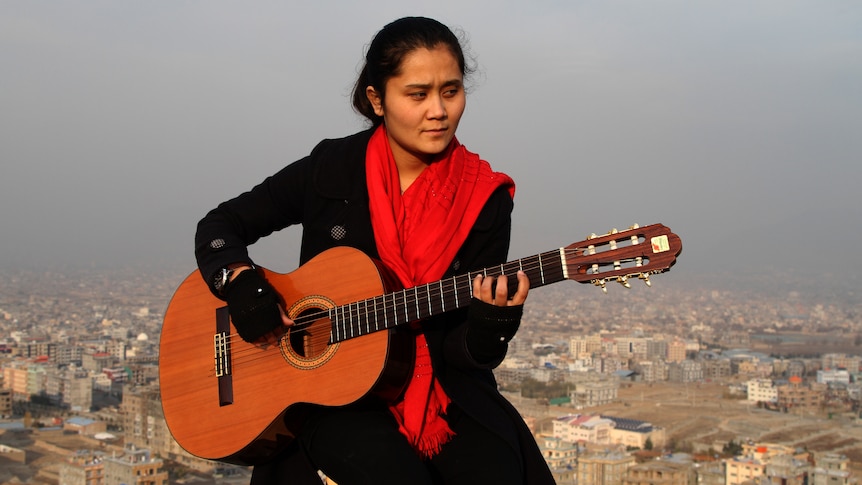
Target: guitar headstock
636,252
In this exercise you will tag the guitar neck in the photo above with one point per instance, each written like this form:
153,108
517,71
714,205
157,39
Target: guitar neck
411,304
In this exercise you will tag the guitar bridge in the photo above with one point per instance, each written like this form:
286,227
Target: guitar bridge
221,350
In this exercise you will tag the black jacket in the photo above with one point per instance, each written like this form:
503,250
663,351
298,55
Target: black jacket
326,193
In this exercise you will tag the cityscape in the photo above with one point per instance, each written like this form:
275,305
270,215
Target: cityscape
726,380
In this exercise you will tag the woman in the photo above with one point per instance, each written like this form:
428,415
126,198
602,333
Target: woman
409,194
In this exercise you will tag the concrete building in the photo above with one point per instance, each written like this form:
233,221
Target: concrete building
660,473
135,467
831,469
787,470
795,396
741,470
83,468
604,468
585,428
685,371
561,457
833,376
762,390
676,351
633,433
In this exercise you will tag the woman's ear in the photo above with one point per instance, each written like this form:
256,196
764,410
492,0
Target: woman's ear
375,99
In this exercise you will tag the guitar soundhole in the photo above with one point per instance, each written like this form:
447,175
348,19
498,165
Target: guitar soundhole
312,339
306,345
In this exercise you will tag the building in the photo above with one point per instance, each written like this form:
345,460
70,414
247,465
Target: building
96,361
604,468
561,457
135,467
831,469
716,368
633,433
851,363
83,468
575,428
833,376
84,426
78,394
584,347
795,396
762,390
787,470
660,473
596,393
5,402
676,350
742,469
685,371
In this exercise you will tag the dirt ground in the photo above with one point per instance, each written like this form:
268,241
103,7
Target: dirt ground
700,416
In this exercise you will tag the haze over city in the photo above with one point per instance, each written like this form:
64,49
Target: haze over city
735,123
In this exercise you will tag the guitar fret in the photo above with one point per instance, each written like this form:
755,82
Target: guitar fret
367,321
334,336
442,299
541,270
376,319
385,313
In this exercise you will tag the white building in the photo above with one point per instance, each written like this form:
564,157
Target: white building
833,376
762,390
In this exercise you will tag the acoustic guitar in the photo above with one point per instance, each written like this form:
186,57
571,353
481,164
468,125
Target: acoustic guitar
225,399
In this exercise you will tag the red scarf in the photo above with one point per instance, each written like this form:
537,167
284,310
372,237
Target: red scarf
418,234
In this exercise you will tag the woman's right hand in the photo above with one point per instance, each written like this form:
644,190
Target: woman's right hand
255,308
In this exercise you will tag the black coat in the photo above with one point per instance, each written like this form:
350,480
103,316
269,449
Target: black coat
326,193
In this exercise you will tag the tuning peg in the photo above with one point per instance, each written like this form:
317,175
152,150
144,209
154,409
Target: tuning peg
645,277
601,283
624,280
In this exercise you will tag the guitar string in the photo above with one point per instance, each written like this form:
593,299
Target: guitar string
304,322
394,303
389,303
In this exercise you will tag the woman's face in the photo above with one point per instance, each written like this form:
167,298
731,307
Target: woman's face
423,104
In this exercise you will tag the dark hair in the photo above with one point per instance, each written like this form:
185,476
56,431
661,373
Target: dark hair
389,48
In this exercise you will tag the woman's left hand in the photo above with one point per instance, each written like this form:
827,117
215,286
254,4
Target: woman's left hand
484,288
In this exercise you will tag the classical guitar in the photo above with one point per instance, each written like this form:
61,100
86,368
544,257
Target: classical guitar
227,400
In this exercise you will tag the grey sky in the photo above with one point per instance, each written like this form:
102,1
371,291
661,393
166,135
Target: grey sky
736,123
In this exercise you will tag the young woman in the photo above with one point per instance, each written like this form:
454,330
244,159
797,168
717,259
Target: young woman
408,193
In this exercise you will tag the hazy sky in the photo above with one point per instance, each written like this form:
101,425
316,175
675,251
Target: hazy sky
736,123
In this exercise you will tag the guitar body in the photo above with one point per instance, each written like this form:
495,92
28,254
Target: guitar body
248,406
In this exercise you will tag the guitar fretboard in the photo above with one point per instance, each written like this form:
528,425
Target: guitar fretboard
423,301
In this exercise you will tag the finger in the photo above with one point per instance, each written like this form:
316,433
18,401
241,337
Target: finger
501,296
285,320
482,288
477,286
520,295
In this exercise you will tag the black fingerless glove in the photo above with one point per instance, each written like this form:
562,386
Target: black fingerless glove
253,305
490,328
